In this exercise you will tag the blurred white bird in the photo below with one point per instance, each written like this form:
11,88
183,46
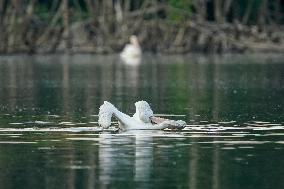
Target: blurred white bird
143,119
132,50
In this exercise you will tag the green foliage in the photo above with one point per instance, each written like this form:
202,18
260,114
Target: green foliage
180,10
43,12
255,7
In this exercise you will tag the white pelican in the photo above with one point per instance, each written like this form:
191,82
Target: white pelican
131,51
143,119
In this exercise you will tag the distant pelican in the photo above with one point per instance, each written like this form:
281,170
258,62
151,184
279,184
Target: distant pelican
143,119
132,52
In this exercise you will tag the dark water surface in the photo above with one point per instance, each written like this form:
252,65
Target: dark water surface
233,105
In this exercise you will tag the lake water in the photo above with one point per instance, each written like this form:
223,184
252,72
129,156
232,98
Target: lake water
233,106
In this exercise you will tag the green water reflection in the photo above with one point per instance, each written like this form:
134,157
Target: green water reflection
58,91
229,88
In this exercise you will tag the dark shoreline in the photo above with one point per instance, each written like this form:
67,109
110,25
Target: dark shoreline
206,38
170,27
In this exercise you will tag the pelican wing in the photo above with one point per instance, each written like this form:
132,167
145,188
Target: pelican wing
167,123
105,114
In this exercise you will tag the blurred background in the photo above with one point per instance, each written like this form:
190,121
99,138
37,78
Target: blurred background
168,26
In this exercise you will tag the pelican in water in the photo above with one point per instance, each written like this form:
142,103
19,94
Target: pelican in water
132,52
143,119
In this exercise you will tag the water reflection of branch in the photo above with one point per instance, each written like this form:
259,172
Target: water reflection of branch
12,86
215,111
215,88
19,81
65,87
193,166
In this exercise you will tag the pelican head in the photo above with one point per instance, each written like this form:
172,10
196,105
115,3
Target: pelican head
134,40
